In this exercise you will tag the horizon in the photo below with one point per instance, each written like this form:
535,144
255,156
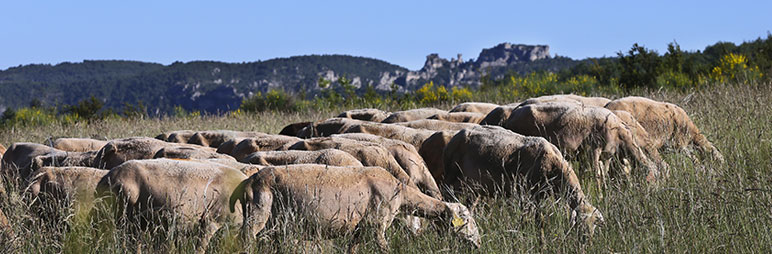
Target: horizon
397,32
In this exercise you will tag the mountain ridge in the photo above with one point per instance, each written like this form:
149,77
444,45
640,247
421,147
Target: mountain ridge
213,86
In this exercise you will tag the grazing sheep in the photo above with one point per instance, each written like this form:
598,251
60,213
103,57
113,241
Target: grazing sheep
64,159
499,159
498,115
294,129
431,151
407,157
372,198
78,144
369,154
121,150
218,137
51,185
332,126
570,98
161,190
668,125
190,152
642,139
332,157
412,115
460,117
181,136
18,159
325,128
475,107
263,143
367,114
22,159
228,146
574,128
141,148
436,125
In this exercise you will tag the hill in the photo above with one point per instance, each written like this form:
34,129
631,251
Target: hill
212,87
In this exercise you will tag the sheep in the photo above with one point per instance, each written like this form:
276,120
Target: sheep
332,157
476,107
460,117
412,115
367,114
78,144
667,124
498,159
372,197
197,192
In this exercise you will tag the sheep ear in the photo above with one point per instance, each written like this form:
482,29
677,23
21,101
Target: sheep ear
109,149
37,163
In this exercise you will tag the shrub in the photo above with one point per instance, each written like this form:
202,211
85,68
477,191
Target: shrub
461,94
677,80
426,94
734,68
272,100
640,67
32,116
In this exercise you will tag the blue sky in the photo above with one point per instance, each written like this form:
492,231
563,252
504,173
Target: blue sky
400,32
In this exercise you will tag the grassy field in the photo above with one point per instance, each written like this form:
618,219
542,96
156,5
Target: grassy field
704,207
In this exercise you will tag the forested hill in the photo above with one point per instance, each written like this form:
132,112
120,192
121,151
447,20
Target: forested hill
218,87
202,85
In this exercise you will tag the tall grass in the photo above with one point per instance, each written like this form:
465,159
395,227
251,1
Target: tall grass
704,207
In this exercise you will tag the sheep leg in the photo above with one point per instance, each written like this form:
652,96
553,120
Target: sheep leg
690,154
356,239
414,224
256,216
606,166
626,167
540,222
208,229
598,167
385,218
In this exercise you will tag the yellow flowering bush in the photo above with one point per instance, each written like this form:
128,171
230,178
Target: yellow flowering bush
426,94
442,93
429,94
33,117
734,68
461,94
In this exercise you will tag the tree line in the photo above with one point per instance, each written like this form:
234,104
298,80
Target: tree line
723,63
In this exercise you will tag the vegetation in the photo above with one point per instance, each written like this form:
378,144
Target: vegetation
304,83
638,68
164,87
703,207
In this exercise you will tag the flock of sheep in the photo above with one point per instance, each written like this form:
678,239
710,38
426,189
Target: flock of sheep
363,167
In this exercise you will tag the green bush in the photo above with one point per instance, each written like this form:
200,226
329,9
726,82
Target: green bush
677,80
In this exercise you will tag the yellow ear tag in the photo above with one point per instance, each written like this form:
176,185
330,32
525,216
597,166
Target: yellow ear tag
457,221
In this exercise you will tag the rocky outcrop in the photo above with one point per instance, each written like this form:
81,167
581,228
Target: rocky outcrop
456,72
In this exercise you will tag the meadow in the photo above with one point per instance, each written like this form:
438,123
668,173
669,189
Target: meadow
703,207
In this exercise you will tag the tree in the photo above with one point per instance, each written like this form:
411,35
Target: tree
349,90
87,109
640,67
674,60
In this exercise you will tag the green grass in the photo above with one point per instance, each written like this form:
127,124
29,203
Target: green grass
704,207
